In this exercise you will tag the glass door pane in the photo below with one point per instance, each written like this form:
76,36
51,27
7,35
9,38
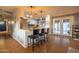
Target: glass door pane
66,27
57,27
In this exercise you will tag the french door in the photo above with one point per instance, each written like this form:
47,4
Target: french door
66,27
62,26
56,28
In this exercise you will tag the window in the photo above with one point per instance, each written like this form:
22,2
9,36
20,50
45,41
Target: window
47,21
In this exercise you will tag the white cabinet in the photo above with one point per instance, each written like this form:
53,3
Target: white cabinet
22,37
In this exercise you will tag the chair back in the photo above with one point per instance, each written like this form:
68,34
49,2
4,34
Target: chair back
47,30
42,30
36,32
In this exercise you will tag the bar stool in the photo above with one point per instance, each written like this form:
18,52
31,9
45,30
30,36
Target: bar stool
34,38
42,35
46,34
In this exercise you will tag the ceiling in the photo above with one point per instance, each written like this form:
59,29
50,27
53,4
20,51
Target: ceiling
53,10
58,10
10,8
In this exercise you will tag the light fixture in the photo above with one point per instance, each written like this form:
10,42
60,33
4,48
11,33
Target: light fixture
11,22
31,7
38,14
41,12
31,16
27,15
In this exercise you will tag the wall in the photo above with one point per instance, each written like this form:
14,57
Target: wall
76,20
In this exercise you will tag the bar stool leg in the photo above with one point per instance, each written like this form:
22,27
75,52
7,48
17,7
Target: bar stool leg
33,45
28,42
